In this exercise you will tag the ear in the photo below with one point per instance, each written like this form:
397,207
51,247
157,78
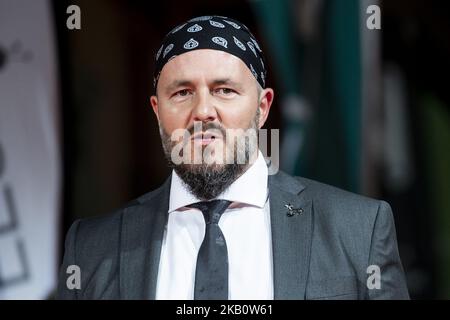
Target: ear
266,99
154,103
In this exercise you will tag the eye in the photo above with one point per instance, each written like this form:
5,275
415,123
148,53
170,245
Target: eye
182,93
225,91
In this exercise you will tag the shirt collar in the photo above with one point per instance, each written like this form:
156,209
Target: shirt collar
250,188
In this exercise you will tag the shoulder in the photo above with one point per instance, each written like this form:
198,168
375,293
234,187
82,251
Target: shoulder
337,197
103,231
335,205
347,213
318,190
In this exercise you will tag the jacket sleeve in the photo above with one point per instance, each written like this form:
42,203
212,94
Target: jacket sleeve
64,292
384,254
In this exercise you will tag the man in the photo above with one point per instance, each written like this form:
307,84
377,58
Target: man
220,228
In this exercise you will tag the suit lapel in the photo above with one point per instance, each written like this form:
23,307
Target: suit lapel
291,236
141,240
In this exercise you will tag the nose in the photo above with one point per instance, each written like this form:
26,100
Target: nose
204,109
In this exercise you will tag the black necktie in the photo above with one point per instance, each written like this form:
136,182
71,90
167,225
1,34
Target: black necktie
211,273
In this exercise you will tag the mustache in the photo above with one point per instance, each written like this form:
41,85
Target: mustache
208,126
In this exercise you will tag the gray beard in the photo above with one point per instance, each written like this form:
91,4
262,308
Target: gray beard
207,181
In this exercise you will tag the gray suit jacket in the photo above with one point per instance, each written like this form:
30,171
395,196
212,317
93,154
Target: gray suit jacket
321,253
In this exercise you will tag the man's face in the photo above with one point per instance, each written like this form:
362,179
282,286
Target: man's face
213,88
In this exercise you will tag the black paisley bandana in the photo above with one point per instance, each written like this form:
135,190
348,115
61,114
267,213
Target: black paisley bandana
212,32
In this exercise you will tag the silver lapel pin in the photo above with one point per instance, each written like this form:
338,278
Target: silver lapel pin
293,211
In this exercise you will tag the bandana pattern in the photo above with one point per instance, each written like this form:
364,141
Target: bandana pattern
212,32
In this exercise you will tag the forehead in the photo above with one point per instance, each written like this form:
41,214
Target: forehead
205,64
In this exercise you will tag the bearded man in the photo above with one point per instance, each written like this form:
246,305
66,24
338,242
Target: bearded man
221,227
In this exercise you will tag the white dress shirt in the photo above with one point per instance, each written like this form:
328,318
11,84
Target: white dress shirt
245,225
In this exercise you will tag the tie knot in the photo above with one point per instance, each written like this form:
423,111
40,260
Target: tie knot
212,210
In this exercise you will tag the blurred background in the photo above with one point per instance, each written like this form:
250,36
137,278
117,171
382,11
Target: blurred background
363,109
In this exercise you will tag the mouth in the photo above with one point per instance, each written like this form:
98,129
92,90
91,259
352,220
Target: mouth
206,138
